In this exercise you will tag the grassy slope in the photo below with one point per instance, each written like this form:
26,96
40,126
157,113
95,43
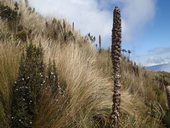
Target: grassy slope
85,74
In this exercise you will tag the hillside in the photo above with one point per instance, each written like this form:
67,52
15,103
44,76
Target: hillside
53,77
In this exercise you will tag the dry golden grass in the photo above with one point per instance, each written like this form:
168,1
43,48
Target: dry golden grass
87,90
9,63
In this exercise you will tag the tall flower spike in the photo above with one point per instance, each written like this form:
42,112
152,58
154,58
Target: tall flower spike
116,55
100,41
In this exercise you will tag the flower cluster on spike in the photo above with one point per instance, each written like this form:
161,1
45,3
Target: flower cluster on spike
116,56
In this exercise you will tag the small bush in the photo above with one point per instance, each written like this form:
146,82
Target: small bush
11,16
27,88
6,13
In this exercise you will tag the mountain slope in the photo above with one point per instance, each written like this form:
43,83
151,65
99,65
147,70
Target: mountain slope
85,77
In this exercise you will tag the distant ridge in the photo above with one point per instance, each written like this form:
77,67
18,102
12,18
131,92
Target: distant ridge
160,67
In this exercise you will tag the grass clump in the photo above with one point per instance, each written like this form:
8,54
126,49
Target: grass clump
9,63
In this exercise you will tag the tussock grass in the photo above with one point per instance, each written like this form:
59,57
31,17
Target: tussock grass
87,92
9,63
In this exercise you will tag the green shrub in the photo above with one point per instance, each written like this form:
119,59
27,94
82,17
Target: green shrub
26,90
52,79
6,13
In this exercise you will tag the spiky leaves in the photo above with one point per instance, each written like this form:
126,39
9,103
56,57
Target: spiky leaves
116,55
27,88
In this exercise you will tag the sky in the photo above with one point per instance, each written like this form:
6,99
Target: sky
145,24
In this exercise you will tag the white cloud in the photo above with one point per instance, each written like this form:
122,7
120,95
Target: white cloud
136,14
161,50
157,56
156,60
165,67
94,15
86,14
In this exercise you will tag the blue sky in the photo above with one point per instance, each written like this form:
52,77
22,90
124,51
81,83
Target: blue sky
153,45
145,23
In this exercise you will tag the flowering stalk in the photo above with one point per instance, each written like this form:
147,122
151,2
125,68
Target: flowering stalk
116,55
100,41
